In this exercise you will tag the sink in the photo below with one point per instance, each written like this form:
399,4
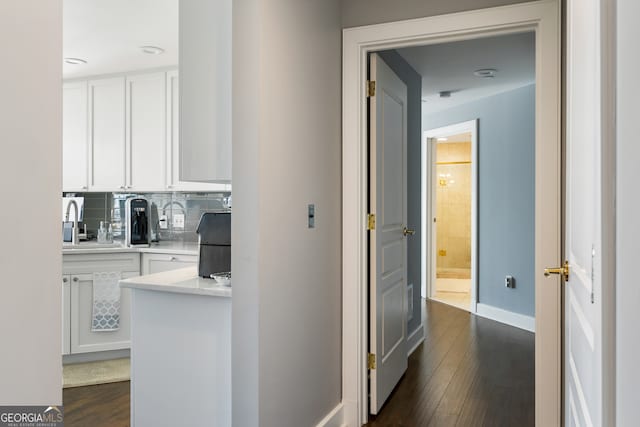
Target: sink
92,245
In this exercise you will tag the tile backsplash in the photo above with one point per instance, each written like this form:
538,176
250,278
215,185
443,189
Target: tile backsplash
109,207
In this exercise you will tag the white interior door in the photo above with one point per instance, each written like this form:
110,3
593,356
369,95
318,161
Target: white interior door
388,245
583,306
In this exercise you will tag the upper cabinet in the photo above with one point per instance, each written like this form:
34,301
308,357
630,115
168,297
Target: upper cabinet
146,122
107,145
205,91
123,134
74,136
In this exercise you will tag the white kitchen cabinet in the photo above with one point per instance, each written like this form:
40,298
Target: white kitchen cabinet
78,271
74,136
83,339
205,91
107,126
66,314
174,183
157,263
146,132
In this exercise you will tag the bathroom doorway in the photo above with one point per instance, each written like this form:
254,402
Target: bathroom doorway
452,165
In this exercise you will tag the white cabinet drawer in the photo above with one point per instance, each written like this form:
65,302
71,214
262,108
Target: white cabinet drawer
157,263
90,263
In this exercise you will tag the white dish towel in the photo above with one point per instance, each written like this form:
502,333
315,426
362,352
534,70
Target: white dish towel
106,302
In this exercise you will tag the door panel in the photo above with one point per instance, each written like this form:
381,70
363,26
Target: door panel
387,245
583,316
107,133
146,105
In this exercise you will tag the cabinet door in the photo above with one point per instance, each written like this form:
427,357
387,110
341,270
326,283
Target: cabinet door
82,338
66,314
205,91
74,136
146,101
173,143
107,134
157,263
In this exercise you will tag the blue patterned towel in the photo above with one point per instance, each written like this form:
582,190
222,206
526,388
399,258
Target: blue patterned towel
106,302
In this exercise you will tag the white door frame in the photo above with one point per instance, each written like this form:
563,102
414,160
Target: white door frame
428,238
543,17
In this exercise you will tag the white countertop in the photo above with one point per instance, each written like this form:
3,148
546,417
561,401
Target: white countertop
163,247
182,281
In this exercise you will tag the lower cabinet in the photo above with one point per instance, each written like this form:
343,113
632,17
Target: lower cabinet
157,263
83,339
77,282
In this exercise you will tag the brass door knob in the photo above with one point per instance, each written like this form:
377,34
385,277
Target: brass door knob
563,271
407,232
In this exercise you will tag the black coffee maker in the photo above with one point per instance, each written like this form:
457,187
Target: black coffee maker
214,234
137,225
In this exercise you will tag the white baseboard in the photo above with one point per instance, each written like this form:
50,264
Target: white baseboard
415,339
508,317
335,418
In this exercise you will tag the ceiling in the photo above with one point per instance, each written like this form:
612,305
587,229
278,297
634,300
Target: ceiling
108,35
450,67
460,137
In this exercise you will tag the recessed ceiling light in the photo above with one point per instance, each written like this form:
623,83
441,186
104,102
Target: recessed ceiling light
443,139
152,50
75,61
485,73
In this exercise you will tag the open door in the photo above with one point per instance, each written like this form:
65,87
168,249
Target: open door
583,296
387,244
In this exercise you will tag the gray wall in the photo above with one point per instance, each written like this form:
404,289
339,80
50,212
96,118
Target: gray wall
413,80
287,319
506,193
31,168
366,12
627,223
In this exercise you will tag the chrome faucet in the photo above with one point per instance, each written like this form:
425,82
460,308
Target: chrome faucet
74,238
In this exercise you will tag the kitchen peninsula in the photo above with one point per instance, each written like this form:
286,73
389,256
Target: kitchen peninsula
180,349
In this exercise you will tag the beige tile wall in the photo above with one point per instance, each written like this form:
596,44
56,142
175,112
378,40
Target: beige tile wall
453,207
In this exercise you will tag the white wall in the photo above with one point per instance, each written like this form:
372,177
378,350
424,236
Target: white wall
628,222
286,154
30,171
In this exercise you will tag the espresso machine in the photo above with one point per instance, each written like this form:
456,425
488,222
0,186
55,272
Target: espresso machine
137,222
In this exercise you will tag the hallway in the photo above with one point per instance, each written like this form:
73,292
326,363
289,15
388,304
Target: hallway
469,371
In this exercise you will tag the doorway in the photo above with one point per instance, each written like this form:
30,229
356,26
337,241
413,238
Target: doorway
542,19
451,210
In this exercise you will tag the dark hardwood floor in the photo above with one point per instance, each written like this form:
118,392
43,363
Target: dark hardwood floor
104,405
469,371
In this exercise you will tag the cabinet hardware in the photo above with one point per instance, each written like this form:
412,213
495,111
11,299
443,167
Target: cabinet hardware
75,279
64,280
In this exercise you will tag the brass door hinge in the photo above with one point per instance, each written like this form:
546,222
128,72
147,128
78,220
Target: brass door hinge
371,221
371,88
371,361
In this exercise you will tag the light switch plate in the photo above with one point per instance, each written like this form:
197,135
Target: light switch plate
312,216
178,221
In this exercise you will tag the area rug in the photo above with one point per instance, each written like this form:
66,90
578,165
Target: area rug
91,373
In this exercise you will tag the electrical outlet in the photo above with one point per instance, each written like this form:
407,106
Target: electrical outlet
510,282
178,221
163,222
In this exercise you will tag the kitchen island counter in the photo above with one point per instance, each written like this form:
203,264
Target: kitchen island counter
182,281
180,350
